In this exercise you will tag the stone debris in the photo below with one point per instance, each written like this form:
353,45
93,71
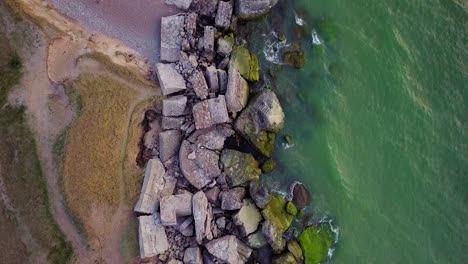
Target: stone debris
152,236
202,215
169,144
232,199
169,79
248,217
181,4
174,106
185,226
224,14
208,42
171,37
205,7
210,112
174,206
211,75
199,166
237,91
193,255
199,85
229,249
213,195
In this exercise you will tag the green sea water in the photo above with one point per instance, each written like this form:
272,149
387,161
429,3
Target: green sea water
379,120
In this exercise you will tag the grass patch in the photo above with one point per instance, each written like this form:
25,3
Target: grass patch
21,174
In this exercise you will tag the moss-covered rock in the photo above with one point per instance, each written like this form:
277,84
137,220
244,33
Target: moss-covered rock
246,63
295,249
268,166
315,242
276,213
285,258
291,208
240,168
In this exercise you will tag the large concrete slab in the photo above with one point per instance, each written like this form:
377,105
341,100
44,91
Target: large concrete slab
171,37
152,236
153,186
169,79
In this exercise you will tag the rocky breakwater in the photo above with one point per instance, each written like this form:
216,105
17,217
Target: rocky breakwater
201,200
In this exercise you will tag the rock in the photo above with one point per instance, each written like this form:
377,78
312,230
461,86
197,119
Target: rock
240,168
247,218
237,91
257,240
181,4
171,37
193,256
223,81
202,215
208,42
264,255
225,45
169,79
291,208
221,222
295,249
185,226
229,249
211,76
251,9
155,185
174,206
246,63
224,14
268,166
300,194
205,7
259,194
169,144
172,122
199,84
223,64
285,258
213,195
210,112
152,236
260,122
232,199
211,138
294,56
276,213
315,242
174,106
151,137
202,169
274,237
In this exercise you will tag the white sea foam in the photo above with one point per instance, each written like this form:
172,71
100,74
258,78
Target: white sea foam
273,47
298,19
315,38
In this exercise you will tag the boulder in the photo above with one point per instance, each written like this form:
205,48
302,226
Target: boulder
213,195
240,168
172,28
224,14
210,112
181,4
285,258
169,122
169,144
247,218
193,255
205,7
316,241
152,236
274,237
174,206
295,249
155,185
211,76
275,212
257,240
174,106
197,79
237,91
229,249
251,9
300,195
259,194
260,122
169,79
202,215
211,138
246,63
232,199
199,166
225,45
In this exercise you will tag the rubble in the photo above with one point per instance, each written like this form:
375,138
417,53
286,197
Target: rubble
174,206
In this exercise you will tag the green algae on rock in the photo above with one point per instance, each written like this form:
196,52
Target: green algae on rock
315,242
276,213
246,62
294,56
268,166
285,258
239,167
291,208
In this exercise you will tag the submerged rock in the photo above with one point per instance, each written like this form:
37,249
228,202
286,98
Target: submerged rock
315,242
260,122
268,166
251,9
229,249
294,56
240,168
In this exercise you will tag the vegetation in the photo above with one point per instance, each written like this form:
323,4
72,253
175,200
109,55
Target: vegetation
24,208
315,242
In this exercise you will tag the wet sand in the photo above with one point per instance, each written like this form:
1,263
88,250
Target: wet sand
135,22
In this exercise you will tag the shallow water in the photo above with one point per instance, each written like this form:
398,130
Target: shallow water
379,121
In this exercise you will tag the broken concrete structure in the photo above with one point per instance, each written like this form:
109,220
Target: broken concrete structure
174,206
172,28
203,216
174,106
152,236
237,93
210,112
170,80
229,249
169,144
